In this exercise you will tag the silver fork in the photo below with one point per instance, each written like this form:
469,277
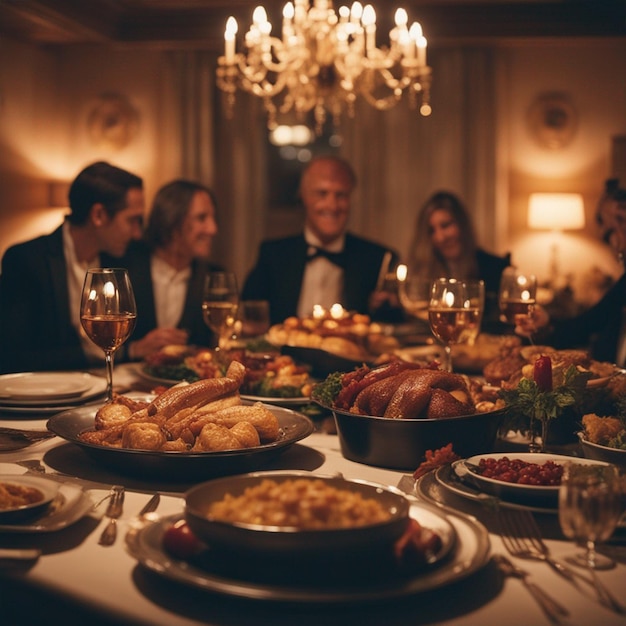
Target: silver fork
522,538
555,612
114,510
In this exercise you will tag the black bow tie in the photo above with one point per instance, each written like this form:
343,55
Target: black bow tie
338,258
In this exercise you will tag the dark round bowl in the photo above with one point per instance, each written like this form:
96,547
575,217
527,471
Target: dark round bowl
275,542
402,443
602,453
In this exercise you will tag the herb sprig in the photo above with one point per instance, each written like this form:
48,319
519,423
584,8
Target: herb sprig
529,400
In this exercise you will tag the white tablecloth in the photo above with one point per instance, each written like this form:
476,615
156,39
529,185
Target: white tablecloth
78,578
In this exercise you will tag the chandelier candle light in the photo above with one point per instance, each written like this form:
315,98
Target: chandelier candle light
322,62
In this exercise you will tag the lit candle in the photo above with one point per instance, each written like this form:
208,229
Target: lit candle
336,311
229,39
401,272
369,22
288,12
356,12
421,51
318,311
415,32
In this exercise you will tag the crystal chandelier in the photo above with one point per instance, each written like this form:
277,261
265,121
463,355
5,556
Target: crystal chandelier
322,62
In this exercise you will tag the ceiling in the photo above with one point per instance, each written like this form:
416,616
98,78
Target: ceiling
200,23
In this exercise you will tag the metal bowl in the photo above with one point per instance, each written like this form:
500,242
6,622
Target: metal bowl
289,542
402,443
602,453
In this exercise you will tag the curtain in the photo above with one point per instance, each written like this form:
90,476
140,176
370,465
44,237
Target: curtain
399,156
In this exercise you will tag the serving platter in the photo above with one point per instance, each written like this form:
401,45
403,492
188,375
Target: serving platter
469,553
287,402
155,465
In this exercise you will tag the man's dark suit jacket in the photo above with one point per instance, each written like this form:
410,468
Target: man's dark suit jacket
137,261
277,275
36,331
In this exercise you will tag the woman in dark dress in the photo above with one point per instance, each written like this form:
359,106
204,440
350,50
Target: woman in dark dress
444,245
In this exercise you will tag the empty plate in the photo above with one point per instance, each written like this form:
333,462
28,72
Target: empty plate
44,385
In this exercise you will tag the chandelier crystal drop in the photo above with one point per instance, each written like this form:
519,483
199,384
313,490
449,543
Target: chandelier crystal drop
323,61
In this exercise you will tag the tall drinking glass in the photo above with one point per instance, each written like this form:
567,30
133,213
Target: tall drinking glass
518,292
108,313
219,305
414,293
448,315
475,306
589,509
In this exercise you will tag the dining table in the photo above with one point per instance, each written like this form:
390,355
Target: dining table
72,578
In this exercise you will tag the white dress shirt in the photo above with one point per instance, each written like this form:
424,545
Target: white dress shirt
322,282
170,291
75,279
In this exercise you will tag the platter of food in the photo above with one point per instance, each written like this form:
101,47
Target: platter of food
334,340
299,515
444,486
191,430
465,549
391,415
524,478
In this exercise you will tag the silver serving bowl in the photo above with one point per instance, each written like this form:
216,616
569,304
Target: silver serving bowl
402,443
277,541
602,453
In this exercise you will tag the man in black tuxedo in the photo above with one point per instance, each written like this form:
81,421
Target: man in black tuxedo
325,264
41,280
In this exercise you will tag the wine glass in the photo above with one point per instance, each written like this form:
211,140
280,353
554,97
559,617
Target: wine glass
475,306
414,293
518,292
589,509
219,305
108,313
450,314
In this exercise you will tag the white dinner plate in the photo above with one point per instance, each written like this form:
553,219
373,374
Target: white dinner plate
538,495
91,387
44,386
469,552
70,504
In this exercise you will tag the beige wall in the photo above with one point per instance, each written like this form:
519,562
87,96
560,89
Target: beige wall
47,95
588,75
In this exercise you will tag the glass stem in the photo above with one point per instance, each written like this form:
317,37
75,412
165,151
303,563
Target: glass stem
448,352
534,445
108,358
591,554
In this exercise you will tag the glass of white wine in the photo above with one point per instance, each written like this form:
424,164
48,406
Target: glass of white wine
518,293
413,293
219,305
590,505
108,313
452,315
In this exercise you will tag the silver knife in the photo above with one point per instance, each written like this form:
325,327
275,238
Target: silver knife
149,507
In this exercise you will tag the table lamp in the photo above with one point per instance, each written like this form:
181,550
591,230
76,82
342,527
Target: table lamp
556,212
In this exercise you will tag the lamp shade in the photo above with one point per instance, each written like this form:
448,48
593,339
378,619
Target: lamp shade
556,211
